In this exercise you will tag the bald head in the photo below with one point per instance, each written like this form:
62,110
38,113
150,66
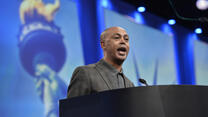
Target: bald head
106,32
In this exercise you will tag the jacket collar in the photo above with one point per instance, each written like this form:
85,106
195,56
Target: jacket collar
109,67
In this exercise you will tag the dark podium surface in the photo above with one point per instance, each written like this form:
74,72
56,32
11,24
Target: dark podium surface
150,101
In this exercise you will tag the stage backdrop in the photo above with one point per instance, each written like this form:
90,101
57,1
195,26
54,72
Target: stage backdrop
151,54
41,45
201,64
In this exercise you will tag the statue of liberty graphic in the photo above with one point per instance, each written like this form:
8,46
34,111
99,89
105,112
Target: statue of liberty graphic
42,51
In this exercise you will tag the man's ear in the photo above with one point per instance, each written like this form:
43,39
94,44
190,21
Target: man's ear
102,44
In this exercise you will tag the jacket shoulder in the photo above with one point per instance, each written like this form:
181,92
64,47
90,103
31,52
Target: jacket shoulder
84,67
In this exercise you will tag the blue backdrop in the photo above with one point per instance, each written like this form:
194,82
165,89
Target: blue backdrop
40,50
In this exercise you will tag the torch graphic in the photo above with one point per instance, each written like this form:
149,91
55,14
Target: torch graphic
42,51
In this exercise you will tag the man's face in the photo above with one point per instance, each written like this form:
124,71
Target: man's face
116,44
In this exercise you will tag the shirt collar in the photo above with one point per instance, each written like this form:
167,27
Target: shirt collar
110,67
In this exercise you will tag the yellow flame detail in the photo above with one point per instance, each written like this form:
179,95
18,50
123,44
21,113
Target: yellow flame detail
46,10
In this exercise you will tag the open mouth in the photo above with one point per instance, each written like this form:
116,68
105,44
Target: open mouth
122,50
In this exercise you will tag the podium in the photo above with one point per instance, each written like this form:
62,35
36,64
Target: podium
150,101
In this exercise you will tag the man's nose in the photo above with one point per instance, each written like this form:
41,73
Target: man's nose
122,41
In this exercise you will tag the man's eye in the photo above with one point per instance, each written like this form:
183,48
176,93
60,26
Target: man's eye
117,37
126,39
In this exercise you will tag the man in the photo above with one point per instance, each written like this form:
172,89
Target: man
106,74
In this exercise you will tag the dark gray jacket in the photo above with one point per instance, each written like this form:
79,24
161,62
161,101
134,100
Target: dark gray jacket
94,78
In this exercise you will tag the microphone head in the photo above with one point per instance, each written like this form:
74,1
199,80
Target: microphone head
142,80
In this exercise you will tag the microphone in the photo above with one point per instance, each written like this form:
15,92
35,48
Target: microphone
143,81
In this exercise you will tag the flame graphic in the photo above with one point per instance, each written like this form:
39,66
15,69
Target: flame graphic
29,7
